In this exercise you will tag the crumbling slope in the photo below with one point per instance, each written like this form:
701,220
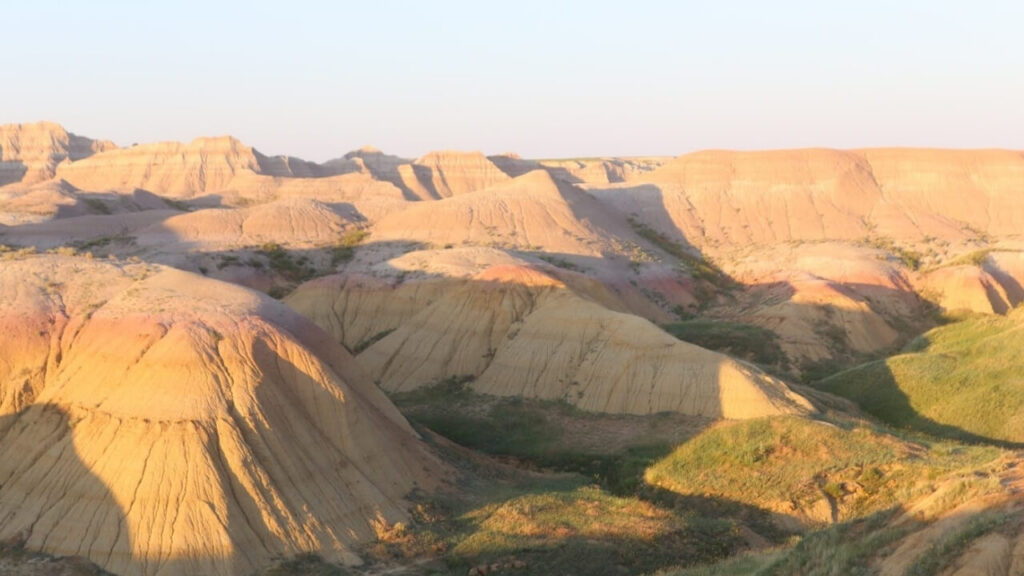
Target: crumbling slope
157,422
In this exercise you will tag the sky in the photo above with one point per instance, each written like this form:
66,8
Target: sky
543,79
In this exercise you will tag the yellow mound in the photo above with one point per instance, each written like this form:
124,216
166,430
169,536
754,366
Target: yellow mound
158,422
967,287
519,333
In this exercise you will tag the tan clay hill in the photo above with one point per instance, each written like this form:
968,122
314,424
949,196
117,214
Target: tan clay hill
737,207
172,169
160,423
456,173
531,212
522,331
298,222
31,153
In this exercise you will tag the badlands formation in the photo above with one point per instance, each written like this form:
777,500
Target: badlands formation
200,347
156,422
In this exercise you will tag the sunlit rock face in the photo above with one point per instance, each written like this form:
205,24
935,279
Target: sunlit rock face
724,198
30,153
521,331
173,169
158,422
450,173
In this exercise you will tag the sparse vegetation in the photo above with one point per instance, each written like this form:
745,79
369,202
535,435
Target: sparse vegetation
283,263
745,341
305,565
15,560
911,259
345,249
98,206
697,266
8,252
371,341
772,461
538,432
559,262
943,552
226,260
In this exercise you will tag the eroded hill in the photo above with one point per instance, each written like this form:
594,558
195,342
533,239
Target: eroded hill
156,422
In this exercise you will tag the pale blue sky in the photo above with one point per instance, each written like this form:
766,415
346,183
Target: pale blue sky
545,79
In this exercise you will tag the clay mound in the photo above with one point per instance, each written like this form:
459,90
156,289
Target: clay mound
382,166
30,153
56,199
531,212
966,288
450,173
824,299
986,281
294,222
174,169
158,422
358,307
22,204
522,332
369,197
88,229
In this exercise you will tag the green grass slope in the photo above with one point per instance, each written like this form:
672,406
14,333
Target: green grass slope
964,380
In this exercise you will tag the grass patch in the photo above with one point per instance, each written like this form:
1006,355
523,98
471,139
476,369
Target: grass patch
585,530
98,206
283,263
534,432
846,548
945,551
304,565
961,381
15,559
371,340
559,262
976,258
911,259
176,204
122,238
697,266
540,524
745,341
509,428
777,462
345,249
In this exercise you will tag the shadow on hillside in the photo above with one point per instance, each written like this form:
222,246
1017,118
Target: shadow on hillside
875,389
1013,288
11,171
560,524
51,500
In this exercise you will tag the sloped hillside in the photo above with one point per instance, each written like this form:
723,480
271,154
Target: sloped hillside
157,422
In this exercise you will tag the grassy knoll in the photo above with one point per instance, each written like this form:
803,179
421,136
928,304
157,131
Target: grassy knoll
961,381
